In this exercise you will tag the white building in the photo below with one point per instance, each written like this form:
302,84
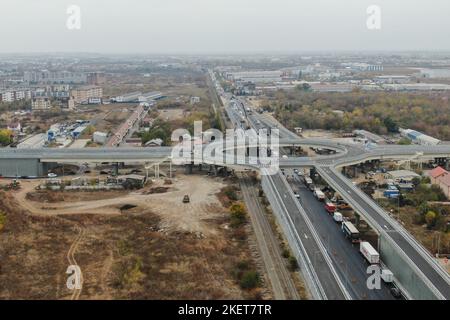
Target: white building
7,96
100,137
419,138
195,100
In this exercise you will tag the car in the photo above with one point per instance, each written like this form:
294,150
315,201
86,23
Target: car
396,293
296,195
186,199
52,175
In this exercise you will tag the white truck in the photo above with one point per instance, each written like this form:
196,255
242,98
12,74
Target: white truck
337,217
319,194
368,252
387,275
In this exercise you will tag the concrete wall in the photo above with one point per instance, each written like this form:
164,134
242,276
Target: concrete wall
404,272
23,167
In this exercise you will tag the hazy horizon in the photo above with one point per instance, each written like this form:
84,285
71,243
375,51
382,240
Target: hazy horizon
223,27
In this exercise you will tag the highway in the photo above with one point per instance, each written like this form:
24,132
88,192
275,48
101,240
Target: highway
318,269
437,279
379,219
346,258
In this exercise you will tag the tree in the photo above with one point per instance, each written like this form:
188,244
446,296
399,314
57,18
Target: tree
5,137
430,219
390,125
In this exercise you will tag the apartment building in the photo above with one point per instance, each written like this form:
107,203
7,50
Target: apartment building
83,94
40,103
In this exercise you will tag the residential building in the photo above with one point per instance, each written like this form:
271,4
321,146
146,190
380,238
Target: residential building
436,174
7,96
40,103
15,127
58,77
95,78
441,177
83,94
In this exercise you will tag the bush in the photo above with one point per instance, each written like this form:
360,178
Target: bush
250,280
293,264
231,193
238,214
430,218
2,220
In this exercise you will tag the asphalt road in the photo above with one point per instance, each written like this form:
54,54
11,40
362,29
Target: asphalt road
435,278
328,281
347,260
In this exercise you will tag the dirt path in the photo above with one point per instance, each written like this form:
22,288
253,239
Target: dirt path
73,262
281,280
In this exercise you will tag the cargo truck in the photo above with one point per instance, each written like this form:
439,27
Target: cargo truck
319,194
372,256
350,231
330,207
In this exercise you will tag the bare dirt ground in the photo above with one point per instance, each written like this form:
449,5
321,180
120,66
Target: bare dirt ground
134,245
171,114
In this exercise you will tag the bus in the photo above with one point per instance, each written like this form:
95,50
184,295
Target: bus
350,231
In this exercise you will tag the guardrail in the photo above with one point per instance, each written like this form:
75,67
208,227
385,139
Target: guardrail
293,239
392,222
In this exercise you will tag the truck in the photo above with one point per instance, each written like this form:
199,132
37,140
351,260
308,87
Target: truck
319,194
308,181
372,256
387,276
330,207
350,231
337,217
391,192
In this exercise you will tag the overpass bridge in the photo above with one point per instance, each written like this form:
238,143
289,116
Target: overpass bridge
433,281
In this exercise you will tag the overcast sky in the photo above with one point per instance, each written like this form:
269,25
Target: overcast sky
222,26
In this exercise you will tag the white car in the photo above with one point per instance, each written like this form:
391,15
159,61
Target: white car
52,175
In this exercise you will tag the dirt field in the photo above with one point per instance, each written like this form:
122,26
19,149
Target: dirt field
135,245
171,114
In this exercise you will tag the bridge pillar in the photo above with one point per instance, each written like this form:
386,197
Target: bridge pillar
188,168
115,170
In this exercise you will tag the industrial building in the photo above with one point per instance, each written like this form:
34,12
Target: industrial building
100,137
34,142
129,97
419,138
369,136
256,76
150,96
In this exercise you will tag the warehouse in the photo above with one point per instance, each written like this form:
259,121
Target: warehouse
419,138
129,97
